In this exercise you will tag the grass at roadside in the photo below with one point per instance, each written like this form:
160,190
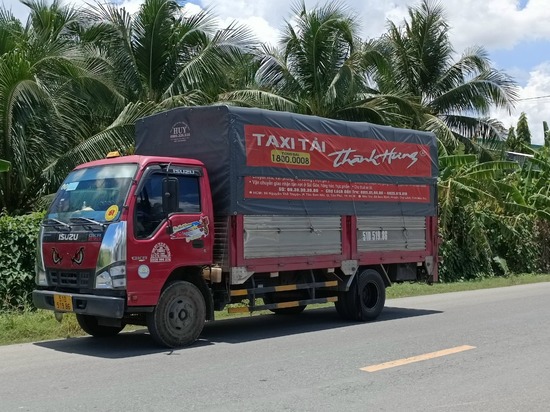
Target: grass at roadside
33,326
418,289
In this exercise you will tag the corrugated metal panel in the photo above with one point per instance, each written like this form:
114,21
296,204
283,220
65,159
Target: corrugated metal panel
283,236
386,233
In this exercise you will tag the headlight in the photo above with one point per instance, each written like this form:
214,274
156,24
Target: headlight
103,281
118,275
113,278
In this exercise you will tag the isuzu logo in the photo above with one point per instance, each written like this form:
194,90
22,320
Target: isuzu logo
68,237
78,256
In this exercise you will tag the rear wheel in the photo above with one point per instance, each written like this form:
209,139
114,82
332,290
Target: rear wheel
346,304
178,318
372,294
91,326
365,299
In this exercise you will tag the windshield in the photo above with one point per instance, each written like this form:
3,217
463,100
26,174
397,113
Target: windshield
96,193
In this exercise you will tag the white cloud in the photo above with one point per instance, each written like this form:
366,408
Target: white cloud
131,6
497,24
258,26
537,109
493,24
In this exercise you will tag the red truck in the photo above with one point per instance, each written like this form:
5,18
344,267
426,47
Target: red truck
223,205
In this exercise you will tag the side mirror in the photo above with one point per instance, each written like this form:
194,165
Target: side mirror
170,195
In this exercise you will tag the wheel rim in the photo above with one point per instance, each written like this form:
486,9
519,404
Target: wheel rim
369,295
181,315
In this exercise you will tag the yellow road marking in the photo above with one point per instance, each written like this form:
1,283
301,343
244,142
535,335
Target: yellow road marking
406,361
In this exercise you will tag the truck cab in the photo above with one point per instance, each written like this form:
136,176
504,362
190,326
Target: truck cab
116,231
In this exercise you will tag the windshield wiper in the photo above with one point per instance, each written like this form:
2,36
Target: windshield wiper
83,220
55,223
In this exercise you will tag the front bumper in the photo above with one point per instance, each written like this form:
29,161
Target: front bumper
104,306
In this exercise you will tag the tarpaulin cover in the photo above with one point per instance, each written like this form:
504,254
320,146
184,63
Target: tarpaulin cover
267,162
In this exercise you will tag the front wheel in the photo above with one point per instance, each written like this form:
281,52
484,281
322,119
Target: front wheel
178,318
91,326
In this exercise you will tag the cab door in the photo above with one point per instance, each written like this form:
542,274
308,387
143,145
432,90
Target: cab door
172,229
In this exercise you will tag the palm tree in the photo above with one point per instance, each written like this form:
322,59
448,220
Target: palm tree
159,59
455,97
318,68
43,80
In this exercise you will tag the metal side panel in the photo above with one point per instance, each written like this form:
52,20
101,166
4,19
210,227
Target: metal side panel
284,236
385,233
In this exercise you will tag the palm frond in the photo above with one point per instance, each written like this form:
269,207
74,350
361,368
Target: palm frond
118,136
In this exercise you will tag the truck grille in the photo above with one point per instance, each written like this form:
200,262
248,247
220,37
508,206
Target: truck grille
71,279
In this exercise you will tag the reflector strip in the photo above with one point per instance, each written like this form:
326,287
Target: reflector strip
284,288
281,305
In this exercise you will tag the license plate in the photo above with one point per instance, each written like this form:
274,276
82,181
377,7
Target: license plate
63,303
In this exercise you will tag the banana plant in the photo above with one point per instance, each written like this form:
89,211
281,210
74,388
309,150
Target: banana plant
4,165
472,215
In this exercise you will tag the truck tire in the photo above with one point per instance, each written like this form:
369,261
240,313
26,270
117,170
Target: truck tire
372,294
365,299
90,325
346,305
178,318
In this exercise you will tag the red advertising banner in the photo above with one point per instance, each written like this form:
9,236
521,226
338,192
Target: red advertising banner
303,189
295,149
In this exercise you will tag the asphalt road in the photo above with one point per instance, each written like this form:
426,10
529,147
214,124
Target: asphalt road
484,351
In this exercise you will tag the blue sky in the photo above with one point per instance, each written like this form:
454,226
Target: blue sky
525,55
515,33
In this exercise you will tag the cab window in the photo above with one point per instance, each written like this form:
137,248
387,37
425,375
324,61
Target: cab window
149,213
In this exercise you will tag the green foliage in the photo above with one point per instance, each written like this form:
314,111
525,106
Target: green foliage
488,215
512,142
481,243
546,134
465,251
515,241
18,236
4,165
542,231
522,130
47,84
